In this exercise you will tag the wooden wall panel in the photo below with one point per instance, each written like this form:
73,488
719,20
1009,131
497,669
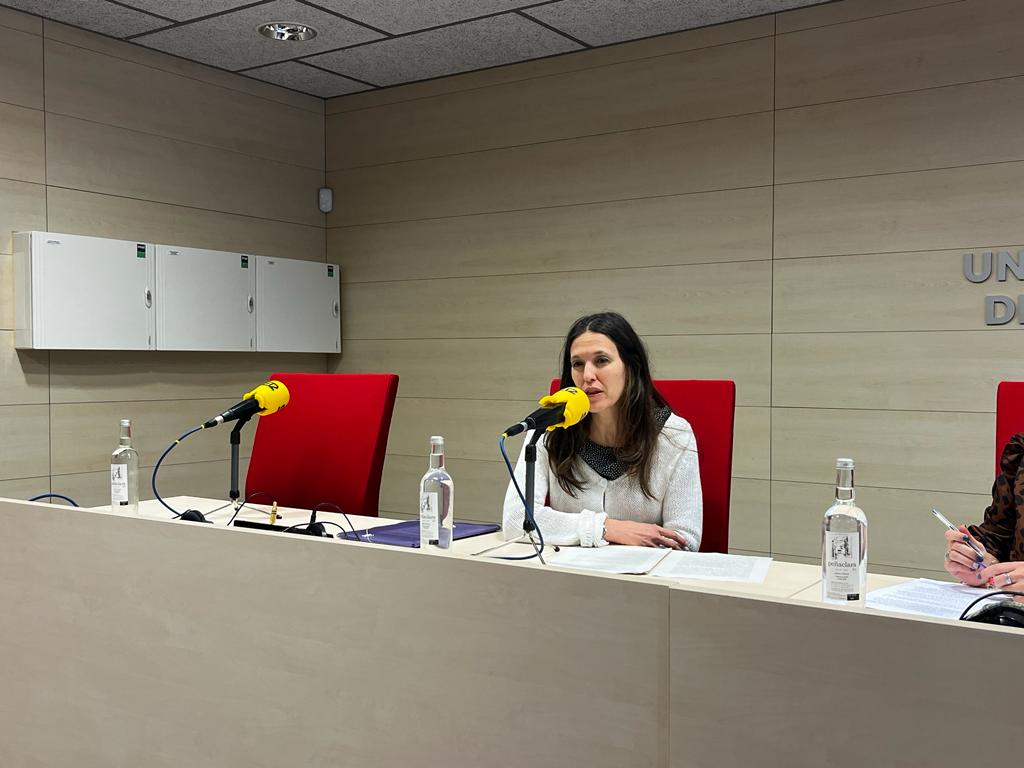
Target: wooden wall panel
122,94
21,62
22,22
918,450
25,448
205,479
713,298
901,529
663,45
837,13
22,156
479,495
84,436
885,214
954,43
703,227
89,213
941,371
528,364
93,86
23,373
707,83
91,377
751,443
915,291
112,160
935,128
713,154
470,427
27,488
22,206
750,515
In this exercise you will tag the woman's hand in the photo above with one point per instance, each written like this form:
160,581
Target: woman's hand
643,534
962,562
1008,575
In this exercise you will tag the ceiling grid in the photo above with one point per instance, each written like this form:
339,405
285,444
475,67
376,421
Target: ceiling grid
362,45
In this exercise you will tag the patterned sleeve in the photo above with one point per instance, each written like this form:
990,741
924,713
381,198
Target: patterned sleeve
996,531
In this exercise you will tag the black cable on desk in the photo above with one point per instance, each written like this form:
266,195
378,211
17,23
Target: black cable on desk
71,501
314,522
319,507
515,483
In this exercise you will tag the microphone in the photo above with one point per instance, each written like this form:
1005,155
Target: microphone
269,397
564,408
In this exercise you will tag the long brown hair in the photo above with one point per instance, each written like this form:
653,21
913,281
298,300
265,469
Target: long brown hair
637,427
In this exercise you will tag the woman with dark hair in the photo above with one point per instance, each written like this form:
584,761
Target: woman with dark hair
627,473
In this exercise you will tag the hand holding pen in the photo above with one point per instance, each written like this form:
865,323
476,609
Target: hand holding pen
965,556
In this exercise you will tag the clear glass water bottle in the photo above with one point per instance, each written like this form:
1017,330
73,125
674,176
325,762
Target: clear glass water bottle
437,500
124,473
844,544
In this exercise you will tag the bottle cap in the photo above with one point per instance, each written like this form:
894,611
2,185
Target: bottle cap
126,422
844,463
436,440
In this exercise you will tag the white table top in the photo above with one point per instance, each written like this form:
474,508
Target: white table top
784,579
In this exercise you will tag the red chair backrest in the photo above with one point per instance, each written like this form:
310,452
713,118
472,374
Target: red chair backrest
1009,414
710,407
328,444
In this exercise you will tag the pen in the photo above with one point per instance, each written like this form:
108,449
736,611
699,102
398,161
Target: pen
942,519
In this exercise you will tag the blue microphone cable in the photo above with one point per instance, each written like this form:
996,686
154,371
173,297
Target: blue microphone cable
156,468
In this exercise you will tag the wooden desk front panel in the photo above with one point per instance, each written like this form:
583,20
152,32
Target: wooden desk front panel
764,683
133,642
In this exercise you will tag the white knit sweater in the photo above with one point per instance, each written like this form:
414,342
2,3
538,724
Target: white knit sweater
675,483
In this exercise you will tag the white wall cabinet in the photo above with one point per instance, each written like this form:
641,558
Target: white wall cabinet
298,306
77,292
206,300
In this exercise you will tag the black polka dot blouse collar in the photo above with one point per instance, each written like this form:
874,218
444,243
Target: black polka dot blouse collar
601,458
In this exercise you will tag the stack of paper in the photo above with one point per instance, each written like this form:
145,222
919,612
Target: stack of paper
712,566
925,597
665,563
613,559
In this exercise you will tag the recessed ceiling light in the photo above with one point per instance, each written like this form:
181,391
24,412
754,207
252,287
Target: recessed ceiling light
286,30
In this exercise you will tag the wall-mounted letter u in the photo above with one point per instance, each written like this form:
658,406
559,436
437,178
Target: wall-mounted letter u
986,267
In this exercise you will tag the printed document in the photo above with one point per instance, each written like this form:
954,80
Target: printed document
713,566
612,559
925,597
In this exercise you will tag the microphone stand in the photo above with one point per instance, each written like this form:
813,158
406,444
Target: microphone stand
236,439
529,523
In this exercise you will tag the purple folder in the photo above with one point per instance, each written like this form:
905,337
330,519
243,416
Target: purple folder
407,533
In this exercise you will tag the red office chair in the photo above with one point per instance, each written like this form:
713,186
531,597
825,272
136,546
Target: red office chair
710,407
1009,414
328,444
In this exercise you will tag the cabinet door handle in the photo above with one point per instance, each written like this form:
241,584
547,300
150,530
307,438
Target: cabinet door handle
252,304
334,308
149,298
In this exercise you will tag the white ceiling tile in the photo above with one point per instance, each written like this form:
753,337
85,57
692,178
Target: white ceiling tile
181,10
400,16
474,45
230,41
301,77
601,22
97,15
